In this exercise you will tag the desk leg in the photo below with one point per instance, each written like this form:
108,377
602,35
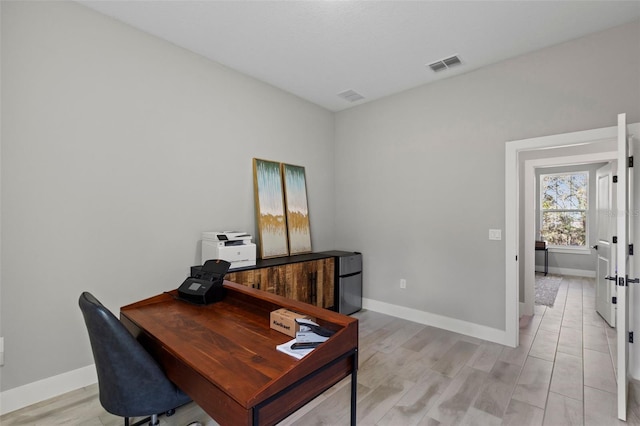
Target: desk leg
354,397
354,388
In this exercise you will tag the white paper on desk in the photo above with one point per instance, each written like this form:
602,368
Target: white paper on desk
298,353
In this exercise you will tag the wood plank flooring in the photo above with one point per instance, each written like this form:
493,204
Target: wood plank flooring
562,373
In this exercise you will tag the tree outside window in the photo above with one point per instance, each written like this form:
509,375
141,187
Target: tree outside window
564,208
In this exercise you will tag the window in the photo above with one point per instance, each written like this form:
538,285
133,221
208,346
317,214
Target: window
563,216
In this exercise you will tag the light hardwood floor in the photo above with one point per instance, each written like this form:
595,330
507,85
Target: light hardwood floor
410,374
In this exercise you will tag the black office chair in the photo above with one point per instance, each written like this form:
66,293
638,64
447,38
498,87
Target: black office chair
130,381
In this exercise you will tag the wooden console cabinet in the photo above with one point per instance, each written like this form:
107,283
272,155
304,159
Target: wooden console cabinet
309,278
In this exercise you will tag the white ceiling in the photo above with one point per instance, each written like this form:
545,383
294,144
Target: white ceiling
317,49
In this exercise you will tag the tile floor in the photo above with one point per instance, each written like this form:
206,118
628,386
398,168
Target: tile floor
411,374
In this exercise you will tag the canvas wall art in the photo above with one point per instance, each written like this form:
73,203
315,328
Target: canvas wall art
295,193
270,209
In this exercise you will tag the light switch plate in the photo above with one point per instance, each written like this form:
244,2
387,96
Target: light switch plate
495,234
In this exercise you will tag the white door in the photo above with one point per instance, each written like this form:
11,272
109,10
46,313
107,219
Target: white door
624,201
605,228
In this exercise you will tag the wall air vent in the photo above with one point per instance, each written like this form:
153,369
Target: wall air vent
351,95
445,63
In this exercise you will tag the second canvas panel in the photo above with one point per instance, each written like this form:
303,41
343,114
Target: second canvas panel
295,194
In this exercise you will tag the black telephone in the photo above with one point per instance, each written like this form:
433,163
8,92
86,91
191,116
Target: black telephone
208,288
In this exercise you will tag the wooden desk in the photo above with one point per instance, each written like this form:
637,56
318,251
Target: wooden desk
224,355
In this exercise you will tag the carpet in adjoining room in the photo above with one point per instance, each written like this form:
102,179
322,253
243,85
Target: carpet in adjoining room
547,288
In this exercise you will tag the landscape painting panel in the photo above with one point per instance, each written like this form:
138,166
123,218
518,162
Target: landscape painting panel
270,210
295,189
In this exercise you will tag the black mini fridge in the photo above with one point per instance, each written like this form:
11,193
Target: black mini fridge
348,290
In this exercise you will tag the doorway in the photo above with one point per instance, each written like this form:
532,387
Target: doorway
549,158
519,231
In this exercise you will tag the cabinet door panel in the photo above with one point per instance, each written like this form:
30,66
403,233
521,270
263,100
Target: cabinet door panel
326,277
302,281
313,282
275,279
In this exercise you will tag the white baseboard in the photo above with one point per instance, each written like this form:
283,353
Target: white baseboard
567,271
31,393
439,321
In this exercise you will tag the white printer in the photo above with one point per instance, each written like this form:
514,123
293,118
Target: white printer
232,246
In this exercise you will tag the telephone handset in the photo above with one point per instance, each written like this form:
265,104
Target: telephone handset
208,288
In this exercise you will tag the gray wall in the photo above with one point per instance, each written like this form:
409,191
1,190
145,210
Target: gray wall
420,175
581,262
118,150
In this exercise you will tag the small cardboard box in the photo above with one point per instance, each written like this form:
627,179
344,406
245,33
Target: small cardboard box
283,320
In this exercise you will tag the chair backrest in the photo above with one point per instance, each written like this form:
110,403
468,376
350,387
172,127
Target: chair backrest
130,381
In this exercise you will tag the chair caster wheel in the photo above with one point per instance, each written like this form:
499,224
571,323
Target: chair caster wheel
170,412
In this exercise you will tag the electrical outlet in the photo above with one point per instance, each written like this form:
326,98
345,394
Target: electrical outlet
403,283
495,234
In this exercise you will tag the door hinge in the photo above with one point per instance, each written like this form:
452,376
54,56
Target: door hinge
631,161
614,239
631,337
615,178
630,249
614,300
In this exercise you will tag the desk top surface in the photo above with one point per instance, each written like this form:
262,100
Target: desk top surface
231,344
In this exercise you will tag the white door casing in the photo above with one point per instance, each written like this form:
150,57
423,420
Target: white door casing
605,229
514,254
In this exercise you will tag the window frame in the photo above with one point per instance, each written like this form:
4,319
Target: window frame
583,249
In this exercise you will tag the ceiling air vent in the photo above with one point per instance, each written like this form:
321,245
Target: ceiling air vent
351,95
444,64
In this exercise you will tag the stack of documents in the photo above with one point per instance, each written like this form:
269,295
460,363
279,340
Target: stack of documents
297,353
